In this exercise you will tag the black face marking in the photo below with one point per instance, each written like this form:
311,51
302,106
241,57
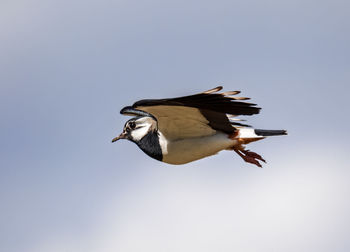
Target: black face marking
129,126
149,144
132,125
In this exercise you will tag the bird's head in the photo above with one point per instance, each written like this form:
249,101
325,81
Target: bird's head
136,128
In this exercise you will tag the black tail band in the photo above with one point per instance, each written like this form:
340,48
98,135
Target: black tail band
261,132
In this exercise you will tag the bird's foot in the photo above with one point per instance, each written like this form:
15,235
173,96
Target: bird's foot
250,157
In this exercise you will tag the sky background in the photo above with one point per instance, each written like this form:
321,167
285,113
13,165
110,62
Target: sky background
68,67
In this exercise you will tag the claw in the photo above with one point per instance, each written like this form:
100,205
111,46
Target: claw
250,157
253,155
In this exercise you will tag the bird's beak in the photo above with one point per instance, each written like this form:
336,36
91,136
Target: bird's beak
121,136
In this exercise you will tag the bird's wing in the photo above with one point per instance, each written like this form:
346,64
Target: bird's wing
196,115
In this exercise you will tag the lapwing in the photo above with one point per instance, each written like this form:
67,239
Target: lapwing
184,129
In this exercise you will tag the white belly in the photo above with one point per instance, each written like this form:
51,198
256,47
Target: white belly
191,149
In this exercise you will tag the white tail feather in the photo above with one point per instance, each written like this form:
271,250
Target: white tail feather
247,133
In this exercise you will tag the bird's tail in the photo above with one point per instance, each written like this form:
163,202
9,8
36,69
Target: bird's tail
248,135
258,133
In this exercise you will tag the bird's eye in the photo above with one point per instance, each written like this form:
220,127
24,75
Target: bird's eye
132,125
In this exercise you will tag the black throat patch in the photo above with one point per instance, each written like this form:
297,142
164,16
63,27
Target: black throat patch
150,145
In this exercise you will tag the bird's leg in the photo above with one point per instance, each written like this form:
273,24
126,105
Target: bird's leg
249,156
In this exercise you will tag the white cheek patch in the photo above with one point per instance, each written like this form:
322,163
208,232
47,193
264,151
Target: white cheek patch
143,126
140,132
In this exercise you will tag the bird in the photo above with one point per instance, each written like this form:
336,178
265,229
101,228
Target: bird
188,128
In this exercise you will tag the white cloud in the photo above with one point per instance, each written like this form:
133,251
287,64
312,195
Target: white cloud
294,207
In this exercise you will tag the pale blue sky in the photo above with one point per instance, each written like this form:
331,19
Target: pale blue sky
67,68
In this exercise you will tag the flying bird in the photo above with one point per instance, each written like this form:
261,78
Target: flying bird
184,129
